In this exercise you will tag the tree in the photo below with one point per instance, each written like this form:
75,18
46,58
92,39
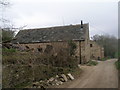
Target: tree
3,21
7,35
110,44
6,26
4,2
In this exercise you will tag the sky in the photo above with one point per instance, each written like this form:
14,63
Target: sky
102,15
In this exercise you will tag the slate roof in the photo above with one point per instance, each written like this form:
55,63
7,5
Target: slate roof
59,33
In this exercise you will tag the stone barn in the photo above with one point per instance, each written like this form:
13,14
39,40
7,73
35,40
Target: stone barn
41,38
96,51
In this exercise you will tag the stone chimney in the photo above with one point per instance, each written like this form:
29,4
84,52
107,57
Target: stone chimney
81,24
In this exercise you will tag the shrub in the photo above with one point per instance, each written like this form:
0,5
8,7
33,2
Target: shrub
7,35
72,47
117,64
36,66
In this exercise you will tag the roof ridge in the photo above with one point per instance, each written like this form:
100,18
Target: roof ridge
53,27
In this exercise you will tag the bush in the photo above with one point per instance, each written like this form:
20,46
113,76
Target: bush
72,47
7,35
117,64
63,60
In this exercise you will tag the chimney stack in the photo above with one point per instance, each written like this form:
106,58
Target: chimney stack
81,24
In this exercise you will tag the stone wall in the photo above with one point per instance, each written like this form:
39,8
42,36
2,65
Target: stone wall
82,51
85,47
55,46
96,51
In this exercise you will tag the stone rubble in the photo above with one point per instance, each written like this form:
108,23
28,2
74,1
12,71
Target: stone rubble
51,79
57,80
35,84
70,76
79,66
64,77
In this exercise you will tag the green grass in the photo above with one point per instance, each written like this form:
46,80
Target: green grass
117,64
92,63
105,58
23,85
9,50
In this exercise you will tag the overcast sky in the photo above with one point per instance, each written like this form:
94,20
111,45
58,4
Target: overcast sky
102,16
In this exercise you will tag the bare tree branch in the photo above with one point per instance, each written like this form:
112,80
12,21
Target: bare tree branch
4,3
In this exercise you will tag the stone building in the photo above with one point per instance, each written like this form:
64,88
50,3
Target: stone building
57,37
96,51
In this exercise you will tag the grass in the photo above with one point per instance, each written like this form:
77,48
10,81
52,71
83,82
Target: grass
117,64
77,72
9,50
22,85
105,58
92,63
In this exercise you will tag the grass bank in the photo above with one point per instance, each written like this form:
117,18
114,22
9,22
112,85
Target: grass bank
21,69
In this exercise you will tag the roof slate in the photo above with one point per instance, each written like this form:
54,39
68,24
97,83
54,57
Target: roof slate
60,33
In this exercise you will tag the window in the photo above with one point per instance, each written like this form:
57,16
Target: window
27,47
91,45
40,49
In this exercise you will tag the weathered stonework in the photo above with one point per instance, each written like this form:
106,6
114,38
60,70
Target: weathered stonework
59,37
56,47
97,52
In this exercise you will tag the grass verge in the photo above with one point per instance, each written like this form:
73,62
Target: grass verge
92,63
105,58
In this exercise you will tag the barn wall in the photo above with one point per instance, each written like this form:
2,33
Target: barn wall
56,47
85,52
85,47
96,51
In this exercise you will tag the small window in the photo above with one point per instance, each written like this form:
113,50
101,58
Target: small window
27,47
40,49
91,45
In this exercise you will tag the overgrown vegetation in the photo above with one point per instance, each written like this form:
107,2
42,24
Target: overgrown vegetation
7,35
92,63
110,44
105,58
6,25
8,50
23,68
117,64
72,47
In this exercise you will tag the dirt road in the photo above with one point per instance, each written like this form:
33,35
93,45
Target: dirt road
104,75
